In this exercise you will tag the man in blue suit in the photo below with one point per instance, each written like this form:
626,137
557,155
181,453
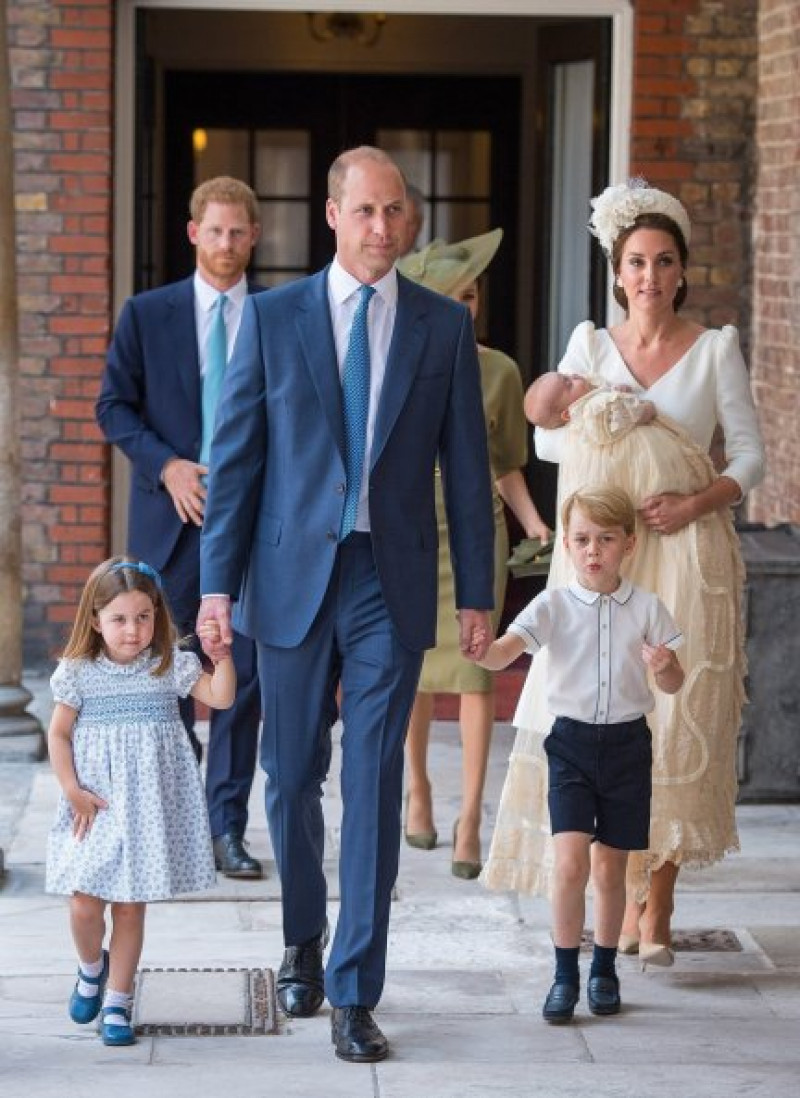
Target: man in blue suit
329,605
152,406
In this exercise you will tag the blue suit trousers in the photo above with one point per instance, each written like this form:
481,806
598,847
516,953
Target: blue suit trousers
353,644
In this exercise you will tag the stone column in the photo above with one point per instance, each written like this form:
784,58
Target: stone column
14,698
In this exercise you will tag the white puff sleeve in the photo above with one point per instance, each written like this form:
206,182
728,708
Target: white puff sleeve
65,685
187,669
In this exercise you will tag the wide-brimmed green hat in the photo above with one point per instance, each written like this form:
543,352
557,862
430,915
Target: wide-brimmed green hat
447,268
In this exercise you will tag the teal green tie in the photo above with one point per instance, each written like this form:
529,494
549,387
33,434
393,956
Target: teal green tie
355,400
216,361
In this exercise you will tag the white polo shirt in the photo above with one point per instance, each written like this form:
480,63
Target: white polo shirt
596,673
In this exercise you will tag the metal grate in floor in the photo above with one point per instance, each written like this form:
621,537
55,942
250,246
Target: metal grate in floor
203,1002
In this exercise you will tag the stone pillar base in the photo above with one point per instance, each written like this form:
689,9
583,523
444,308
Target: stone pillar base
19,729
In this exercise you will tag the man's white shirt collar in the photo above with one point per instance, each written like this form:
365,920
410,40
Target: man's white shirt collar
207,294
343,285
583,594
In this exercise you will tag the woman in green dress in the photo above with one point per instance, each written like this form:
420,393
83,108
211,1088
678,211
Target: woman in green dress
454,269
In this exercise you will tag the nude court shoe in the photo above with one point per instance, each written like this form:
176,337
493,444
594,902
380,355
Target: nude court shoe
653,953
628,944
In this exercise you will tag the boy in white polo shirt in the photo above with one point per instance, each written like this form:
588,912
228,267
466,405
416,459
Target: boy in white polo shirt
603,635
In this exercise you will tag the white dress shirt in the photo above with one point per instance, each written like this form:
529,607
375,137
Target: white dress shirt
205,302
595,667
343,300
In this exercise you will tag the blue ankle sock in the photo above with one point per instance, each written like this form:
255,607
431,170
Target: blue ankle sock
604,961
567,965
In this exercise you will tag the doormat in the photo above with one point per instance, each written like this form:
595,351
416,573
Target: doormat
715,940
205,1002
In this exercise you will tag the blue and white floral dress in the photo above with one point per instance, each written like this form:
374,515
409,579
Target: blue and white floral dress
131,748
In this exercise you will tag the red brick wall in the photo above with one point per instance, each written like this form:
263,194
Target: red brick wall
776,297
693,134
60,55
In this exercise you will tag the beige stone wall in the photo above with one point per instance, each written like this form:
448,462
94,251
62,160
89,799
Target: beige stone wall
776,292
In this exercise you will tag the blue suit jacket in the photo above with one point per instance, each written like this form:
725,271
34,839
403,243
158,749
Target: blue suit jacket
150,406
276,487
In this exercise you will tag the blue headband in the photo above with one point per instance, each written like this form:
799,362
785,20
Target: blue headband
138,566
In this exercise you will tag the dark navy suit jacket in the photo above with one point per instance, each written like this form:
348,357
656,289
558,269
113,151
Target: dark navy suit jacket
150,406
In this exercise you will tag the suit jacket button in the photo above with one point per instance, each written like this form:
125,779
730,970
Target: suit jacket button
331,535
340,489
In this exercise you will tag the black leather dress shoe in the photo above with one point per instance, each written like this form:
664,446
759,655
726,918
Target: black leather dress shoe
300,986
602,994
356,1037
559,1006
231,858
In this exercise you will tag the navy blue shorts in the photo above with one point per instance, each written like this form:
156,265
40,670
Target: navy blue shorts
600,780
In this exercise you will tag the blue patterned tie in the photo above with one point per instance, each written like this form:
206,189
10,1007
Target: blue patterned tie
216,360
355,398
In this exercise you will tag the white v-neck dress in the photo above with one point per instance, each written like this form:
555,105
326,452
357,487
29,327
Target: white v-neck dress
698,575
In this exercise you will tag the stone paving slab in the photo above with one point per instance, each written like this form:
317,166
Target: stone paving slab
445,992
137,1071
643,1037
581,1081
780,993
780,943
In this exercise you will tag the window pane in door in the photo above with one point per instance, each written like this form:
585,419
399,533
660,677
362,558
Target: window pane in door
411,151
281,163
461,220
220,152
284,235
463,163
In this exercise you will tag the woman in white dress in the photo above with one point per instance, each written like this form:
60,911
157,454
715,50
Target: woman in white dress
697,377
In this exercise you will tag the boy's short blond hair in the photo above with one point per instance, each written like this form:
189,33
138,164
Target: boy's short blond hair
604,506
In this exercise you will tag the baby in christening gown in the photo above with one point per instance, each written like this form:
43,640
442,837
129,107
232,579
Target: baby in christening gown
618,439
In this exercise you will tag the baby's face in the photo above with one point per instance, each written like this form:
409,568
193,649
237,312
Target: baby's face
561,390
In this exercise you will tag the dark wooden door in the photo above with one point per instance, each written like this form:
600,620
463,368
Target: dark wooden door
280,132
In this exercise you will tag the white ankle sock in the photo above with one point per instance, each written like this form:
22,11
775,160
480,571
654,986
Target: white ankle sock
122,1002
88,991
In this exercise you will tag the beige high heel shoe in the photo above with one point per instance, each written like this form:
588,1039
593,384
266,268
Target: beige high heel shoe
653,953
628,944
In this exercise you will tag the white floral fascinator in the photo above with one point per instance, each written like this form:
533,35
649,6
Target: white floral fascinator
618,207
